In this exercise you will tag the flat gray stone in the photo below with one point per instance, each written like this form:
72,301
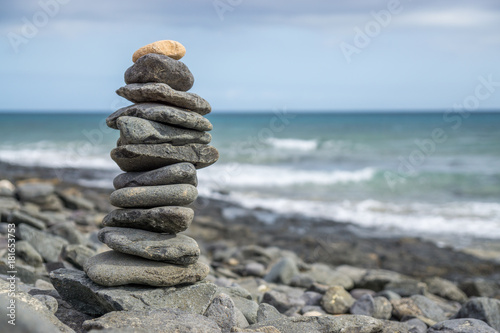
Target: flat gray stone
180,173
154,196
76,288
35,192
155,320
175,249
143,157
446,289
115,269
282,272
170,220
17,217
27,252
135,130
77,254
161,69
164,114
49,246
163,93
324,274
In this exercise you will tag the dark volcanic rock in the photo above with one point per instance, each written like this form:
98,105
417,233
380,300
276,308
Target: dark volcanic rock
163,93
154,196
156,320
164,114
169,220
88,297
482,308
162,69
135,130
115,269
175,249
149,157
180,173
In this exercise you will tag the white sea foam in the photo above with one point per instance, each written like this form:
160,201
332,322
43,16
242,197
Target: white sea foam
293,144
470,219
247,175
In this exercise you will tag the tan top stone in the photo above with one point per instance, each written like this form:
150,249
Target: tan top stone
170,48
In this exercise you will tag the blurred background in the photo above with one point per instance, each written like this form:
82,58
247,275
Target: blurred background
378,113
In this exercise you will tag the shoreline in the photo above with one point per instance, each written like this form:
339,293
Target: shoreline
312,239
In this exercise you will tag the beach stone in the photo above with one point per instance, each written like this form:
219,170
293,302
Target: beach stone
8,203
154,320
142,157
337,300
75,202
267,312
69,232
170,220
311,298
49,301
77,255
357,293
161,69
480,287
135,130
243,301
327,323
420,307
416,326
83,294
24,273
35,192
164,114
482,308
407,287
163,93
114,269
170,48
461,326
7,189
429,308
180,173
376,307
395,327
175,249
29,308
154,196
390,295
376,279
18,217
445,289
323,274
49,246
26,252
302,280
282,272
222,311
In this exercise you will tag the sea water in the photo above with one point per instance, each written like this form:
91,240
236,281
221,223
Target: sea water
415,173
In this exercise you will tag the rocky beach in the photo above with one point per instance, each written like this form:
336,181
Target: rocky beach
154,256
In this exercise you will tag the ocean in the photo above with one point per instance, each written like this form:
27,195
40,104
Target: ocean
413,174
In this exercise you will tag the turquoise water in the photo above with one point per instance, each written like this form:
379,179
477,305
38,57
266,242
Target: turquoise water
417,172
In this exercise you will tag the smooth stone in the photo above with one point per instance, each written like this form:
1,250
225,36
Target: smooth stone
49,301
480,287
76,288
243,301
17,217
163,93
24,273
282,272
135,130
326,323
154,196
150,157
169,220
462,326
170,48
35,192
376,279
223,312
323,274
115,269
337,300
154,320
376,307
69,232
175,249
26,252
482,308
7,189
9,203
77,255
407,287
49,246
164,114
267,312
446,289
162,69
180,173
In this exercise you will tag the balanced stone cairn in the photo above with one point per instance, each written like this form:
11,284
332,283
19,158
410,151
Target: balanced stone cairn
163,140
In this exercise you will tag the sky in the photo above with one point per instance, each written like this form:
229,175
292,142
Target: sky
314,55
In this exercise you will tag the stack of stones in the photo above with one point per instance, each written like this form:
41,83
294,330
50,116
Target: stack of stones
163,140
